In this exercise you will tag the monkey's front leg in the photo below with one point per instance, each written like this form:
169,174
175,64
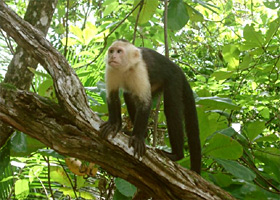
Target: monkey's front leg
114,124
137,140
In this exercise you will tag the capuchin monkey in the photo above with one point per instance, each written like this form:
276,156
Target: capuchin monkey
143,73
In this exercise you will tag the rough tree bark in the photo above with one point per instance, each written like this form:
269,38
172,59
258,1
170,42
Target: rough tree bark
39,14
71,128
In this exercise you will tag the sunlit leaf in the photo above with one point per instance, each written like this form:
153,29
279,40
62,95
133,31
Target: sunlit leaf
147,12
231,56
22,188
252,37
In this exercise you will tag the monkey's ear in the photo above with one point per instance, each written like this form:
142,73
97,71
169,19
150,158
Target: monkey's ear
136,54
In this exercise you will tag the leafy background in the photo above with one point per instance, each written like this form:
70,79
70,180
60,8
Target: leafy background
229,51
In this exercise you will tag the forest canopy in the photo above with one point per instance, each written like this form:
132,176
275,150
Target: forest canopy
229,51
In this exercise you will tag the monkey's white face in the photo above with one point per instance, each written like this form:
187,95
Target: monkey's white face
116,56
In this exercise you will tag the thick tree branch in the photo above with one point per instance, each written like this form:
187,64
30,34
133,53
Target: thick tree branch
71,128
39,14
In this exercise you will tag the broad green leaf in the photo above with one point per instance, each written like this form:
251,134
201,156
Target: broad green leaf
89,33
126,188
206,126
222,146
228,131
273,28
237,170
21,188
81,182
265,113
231,55
110,8
177,15
69,192
230,20
272,4
34,172
46,88
18,144
70,41
77,32
253,129
271,158
119,196
220,179
222,75
268,138
38,73
147,12
217,103
252,37
194,15
247,60
57,174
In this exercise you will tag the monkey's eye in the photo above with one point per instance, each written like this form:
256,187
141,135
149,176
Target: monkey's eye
119,51
111,51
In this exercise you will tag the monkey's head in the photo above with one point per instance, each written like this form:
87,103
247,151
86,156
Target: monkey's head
122,55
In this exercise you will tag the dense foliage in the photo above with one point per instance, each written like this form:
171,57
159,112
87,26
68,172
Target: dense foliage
230,52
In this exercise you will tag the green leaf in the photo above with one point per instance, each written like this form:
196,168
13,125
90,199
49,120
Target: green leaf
50,152
194,15
268,138
34,172
22,188
222,75
271,158
207,125
77,32
126,188
89,33
265,113
237,170
119,196
177,15
273,28
253,129
46,88
217,103
231,55
272,4
18,144
228,131
222,146
57,174
252,37
220,179
110,8
247,60
147,12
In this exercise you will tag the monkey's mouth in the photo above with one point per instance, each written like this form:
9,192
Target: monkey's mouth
113,63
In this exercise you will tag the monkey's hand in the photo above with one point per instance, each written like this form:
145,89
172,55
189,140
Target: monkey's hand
108,128
138,144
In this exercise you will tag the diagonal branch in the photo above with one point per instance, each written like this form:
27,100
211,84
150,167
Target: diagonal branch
73,99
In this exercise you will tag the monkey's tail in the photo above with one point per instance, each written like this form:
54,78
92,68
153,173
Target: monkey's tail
192,128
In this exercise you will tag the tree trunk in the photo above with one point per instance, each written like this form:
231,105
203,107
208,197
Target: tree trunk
39,14
71,128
